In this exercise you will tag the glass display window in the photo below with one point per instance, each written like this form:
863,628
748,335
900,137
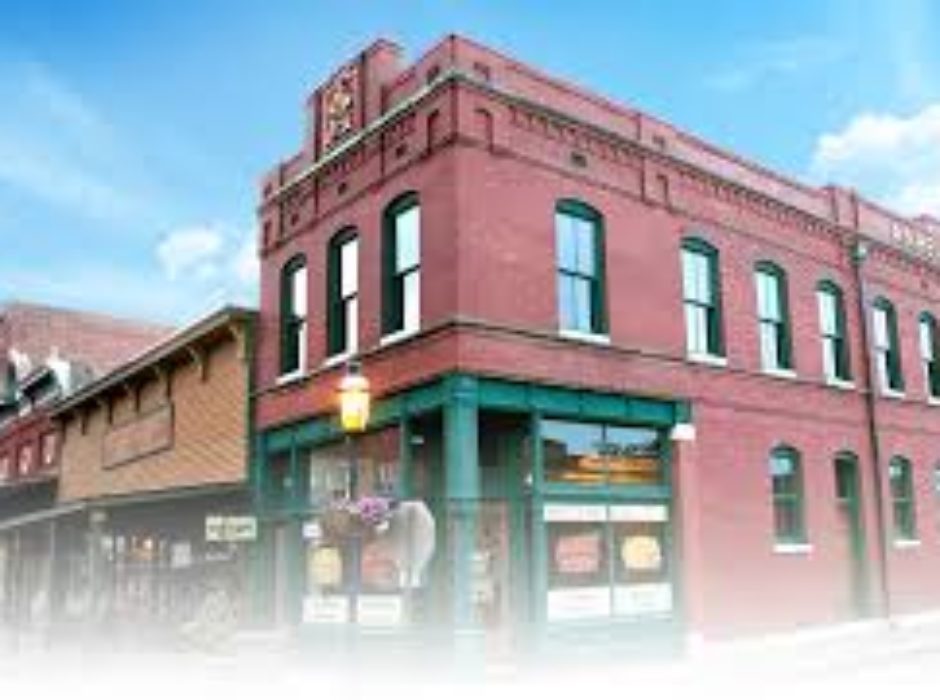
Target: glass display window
593,454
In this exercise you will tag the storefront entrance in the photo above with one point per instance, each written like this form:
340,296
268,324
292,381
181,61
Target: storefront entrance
550,516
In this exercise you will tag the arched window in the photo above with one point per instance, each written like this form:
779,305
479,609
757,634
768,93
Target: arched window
701,296
786,476
904,514
293,321
773,315
930,358
887,346
833,332
342,294
401,266
579,250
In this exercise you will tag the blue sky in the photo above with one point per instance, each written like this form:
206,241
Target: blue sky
132,134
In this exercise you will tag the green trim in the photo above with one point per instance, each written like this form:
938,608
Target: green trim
289,323
840,339
393,312
895,366
931,364
903,505
584,212
793,498
783,324
335,305
714,312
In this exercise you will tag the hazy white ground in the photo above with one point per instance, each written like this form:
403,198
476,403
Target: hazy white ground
876,662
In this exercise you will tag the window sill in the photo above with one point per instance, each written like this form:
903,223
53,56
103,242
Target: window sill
291,377
792,548
842,384
581,336
906,544
704,359
338,359
779,373
397,336
933,400
893,394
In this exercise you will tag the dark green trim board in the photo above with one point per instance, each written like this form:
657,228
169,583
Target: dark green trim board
500,394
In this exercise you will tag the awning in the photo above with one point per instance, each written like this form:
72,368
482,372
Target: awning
40,516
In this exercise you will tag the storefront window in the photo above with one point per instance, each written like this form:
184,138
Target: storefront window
593,454
339,534
607,561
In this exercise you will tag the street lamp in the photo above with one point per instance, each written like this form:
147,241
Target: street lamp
354,405
354,400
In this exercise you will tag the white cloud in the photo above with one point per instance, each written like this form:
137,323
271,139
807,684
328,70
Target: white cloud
190,250
214,262
245,264
895,159
760,61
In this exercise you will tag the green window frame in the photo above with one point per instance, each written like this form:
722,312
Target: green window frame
701,298
833,332
936,492
930,357
773,316
401,265
343,293
786,475
579,255
293,315
887,346
903,508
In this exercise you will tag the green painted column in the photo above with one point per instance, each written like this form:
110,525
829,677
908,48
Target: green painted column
462,498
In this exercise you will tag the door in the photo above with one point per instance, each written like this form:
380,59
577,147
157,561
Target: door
851,529
492,577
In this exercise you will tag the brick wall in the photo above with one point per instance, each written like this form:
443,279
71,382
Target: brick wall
489,179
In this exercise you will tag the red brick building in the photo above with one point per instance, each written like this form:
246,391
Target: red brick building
641,382
46,354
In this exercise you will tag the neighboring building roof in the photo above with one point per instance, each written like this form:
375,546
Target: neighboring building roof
34,332
170,345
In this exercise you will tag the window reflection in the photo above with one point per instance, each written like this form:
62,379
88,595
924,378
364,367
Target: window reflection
593,454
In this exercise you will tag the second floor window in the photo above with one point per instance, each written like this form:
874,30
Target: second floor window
887,346
787,487
343,294
832,328
773,317
701,298
293,326
401,308
580,268
902,499
928,354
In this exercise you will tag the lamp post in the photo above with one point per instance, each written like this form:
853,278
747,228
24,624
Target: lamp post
354,405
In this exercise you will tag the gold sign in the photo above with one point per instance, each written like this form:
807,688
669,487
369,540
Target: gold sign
339,106
641,553
143,436
325,567
578,554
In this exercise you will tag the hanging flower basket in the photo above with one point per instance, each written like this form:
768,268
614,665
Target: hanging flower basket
366,517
